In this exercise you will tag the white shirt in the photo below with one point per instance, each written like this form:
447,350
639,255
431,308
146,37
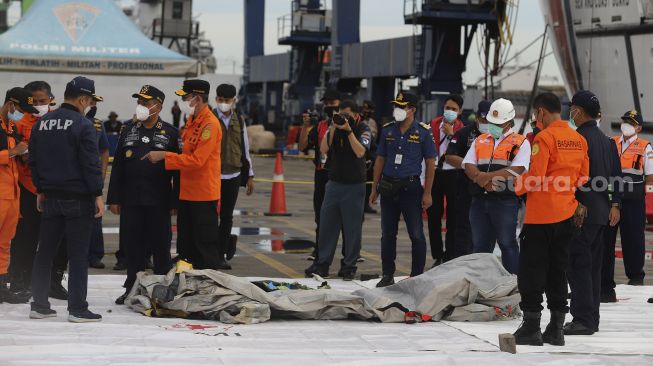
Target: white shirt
444,144
523,157
226,120
648,168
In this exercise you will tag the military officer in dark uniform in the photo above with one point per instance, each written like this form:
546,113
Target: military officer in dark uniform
144,194
403,145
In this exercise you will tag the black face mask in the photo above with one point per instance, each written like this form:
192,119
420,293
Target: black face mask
329,111
91,112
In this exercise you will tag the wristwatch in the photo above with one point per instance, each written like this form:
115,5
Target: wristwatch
616,205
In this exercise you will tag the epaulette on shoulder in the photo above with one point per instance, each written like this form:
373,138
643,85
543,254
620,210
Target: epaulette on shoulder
388,124
425,126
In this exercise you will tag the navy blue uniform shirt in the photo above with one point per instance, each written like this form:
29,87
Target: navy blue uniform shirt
64,157
102,139
602,153
136,182
414,146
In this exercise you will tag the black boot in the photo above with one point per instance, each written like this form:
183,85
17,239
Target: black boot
10,297
529,332
20,284
554,334
57,291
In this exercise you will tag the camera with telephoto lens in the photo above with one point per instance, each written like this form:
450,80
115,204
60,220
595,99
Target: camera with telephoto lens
341,119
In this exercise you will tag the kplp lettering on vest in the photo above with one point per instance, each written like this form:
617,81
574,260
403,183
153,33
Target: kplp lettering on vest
55,124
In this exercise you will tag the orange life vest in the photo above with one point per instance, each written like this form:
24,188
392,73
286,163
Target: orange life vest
632,159
490,159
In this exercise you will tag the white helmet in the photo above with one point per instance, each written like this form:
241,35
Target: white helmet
501,111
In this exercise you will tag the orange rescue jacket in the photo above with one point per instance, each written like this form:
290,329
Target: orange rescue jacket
199,161
559,164
24,128
8,166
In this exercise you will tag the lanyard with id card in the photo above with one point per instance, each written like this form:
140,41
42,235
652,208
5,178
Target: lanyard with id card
398,159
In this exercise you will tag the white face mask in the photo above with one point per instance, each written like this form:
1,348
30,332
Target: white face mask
399,114
224,107
142,112
628,130
186,107
43,109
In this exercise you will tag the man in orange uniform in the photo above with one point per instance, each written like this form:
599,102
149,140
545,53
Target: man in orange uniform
559,164
17,102
199,165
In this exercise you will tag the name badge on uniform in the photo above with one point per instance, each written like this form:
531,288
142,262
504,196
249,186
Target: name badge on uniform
398,159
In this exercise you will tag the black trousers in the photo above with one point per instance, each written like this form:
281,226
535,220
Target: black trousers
121,254
146,228
75,220
228,197
198,238
543,259
632,228
443,187
24,243
321,179
584,273
463,240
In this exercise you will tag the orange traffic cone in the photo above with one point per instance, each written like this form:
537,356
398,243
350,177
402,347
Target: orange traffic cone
278,197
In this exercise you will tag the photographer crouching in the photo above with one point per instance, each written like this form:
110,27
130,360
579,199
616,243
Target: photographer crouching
344,145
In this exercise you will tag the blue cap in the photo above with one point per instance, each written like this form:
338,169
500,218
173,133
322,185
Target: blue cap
483,108
588,101
633,116
83,85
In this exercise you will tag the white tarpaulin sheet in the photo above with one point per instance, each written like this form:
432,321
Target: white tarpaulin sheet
128,338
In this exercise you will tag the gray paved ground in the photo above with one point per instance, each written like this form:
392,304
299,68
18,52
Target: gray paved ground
255,256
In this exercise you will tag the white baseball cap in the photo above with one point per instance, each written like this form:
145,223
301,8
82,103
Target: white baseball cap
501,111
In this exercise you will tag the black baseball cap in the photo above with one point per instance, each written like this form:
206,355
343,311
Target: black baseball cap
83,85
226,91
23,98
149,92
633,116
331,94
483,108
588,101
194,86
406,99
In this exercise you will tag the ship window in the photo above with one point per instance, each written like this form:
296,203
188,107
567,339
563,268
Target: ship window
616,18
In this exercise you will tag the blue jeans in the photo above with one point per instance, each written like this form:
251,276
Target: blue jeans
74,219
495,220
96,251
406,202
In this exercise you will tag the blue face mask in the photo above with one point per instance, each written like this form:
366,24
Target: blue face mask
15,115
495,131
450,115
572,122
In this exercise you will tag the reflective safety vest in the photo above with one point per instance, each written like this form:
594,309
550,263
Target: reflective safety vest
632,160
490,159
632,165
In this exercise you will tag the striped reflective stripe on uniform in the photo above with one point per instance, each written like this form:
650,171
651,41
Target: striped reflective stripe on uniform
502,162
632,171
